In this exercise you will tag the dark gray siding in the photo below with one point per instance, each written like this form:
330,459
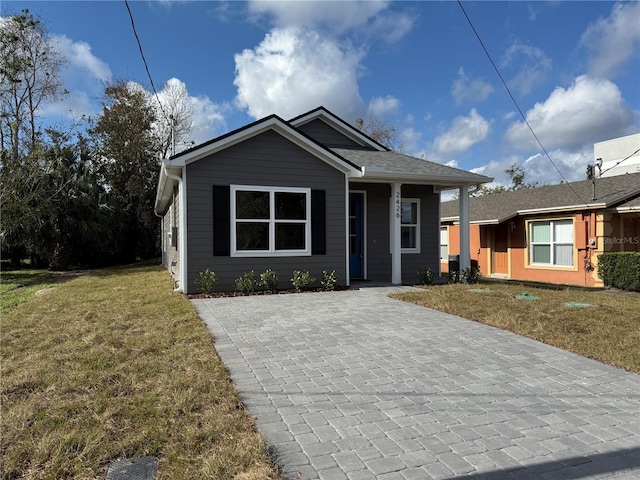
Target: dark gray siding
327,135
429,255
378,234
266,160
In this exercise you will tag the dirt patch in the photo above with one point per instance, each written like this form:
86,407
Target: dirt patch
45,291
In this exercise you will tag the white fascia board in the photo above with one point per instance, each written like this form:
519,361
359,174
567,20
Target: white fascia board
379,175
278,126
342,127
534,211
456,221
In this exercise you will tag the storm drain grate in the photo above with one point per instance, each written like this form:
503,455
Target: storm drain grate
140,468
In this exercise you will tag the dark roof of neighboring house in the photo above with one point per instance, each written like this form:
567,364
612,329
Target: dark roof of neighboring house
391,163
498,207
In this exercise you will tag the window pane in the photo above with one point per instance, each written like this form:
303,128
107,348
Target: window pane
291,206
444,238
540,232
563,255
290,236
408,235
409,213
443,252
563,232
252,204
252,236
541,254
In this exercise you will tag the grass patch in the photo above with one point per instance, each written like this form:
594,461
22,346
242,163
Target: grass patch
112,365
17,286
608,332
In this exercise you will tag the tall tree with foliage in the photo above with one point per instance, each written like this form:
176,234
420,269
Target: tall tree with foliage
29,77
127,150
382,132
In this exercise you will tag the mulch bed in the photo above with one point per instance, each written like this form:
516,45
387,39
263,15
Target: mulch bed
263,292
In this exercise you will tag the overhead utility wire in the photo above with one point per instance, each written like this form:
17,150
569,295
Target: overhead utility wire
516,103
144,60
619,162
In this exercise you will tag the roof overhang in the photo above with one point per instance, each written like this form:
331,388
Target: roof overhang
166,184
376,174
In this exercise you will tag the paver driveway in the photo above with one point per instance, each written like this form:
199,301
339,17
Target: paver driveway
356,385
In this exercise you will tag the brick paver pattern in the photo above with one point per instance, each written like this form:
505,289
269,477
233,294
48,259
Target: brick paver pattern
356,385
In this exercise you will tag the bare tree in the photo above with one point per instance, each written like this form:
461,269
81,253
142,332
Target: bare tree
29,75
380,131
176,112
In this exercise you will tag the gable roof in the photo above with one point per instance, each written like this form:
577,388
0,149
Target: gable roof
498,207
338,124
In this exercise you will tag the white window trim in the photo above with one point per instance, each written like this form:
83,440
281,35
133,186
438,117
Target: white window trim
551,243
446,231
417,226
271,252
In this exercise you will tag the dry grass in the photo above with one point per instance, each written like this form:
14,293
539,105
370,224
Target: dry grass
609,331
114,365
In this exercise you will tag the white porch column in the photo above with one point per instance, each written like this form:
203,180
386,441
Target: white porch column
465,246
396,245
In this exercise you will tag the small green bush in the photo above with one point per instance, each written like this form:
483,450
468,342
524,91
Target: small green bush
246,283
329,280
620,270
206,282
471,275
454,276
425,276
269,280
301,279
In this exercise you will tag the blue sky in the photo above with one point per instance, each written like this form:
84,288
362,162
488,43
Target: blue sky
573,67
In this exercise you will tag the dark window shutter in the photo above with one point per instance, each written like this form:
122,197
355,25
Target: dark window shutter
318,222
221,221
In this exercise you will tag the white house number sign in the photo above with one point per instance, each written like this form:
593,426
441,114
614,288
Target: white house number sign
398,205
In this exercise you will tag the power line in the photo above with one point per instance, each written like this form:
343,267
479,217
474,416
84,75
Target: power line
144,60
618,163
524,118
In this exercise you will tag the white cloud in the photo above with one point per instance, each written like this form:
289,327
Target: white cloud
208,119
380,106
336,17
590,110
463,133
614,40
534,66
81,58
465,89
295,70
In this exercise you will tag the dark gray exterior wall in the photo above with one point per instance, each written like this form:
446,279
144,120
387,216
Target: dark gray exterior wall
265,160
378,235
327,135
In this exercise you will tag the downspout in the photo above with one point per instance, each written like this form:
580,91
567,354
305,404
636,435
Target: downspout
181,281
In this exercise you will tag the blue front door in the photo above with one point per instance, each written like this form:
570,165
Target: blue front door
356,234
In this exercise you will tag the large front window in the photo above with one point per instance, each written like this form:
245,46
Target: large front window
270,221
551,243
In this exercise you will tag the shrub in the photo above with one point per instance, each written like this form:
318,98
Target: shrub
453,276
269,280
301,279
329,281
206,282
425,276
246,283
620,270
471,275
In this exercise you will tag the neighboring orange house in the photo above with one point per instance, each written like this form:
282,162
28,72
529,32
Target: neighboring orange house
549,234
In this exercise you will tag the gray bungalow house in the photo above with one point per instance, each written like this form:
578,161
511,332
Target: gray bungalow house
310,193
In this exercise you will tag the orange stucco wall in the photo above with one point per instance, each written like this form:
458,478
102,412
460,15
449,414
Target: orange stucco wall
594,233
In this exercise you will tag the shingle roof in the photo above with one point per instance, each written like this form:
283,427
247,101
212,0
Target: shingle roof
393,164
497,207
